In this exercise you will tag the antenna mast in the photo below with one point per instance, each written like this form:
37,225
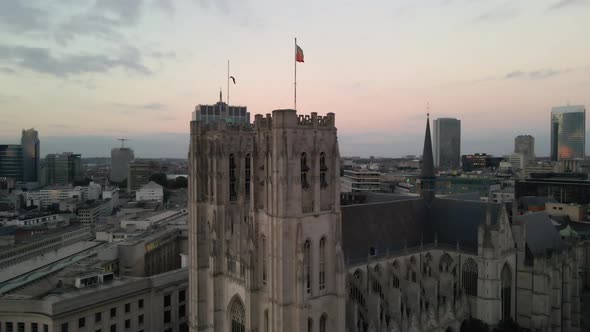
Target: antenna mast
123,141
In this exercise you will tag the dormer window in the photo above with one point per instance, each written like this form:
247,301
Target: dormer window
372,251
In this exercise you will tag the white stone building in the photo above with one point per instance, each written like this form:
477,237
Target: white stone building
150,192
271,249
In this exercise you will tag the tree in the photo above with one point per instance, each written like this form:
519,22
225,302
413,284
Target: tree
181,182
159,178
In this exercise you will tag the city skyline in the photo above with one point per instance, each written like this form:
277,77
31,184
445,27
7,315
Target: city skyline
137,68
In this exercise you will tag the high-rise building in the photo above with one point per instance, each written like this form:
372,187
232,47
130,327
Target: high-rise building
219,111
31,158
63,168
568,132
120,159
525,145
11,161
447,143
139,174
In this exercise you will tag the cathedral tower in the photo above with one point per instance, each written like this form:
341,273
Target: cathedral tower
265,248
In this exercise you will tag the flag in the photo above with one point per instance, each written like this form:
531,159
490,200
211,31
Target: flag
299,54
233,79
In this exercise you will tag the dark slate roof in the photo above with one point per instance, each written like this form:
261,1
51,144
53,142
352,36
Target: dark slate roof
427,159
474,196
385,226
528,201
393,225
541,236
456,221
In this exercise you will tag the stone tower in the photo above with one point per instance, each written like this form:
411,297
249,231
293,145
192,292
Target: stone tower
264,225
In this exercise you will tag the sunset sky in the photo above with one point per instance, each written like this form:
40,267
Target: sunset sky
84,72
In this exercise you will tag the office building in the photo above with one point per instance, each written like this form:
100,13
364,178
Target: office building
447,143
478,161
360,181
568,132
63,168
31,158
517,161
11,161
221,111
150,192
525,145
139,174
120,159
91,213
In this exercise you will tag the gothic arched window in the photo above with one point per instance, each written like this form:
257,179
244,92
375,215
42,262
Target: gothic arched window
322,263
233,195
445,263
264,270
309,324
237,316
307,265
470,277
266,328
377,281
506,294
323,171
324,323
247,177
304,171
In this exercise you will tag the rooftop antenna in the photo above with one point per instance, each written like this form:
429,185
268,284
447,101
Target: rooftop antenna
123,141
428,109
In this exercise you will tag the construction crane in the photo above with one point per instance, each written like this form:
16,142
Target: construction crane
123,141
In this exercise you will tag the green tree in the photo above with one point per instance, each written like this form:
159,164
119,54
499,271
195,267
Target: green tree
160,178
181,182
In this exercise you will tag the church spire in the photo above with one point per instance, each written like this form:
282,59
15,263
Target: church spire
427,178
427,160
220,97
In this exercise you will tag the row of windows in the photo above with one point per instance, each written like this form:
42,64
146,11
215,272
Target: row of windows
305,170
20,327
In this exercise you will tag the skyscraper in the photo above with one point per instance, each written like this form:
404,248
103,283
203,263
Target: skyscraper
139,174
568,132
11,161
525,145
447,143
120,159
63,168
31,159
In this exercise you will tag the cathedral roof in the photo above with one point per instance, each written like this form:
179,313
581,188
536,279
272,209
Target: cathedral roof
391,226
427,159
541,235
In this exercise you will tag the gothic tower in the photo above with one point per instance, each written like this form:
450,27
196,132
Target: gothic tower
264,224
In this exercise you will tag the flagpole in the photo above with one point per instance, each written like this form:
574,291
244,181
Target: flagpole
228,83
295,83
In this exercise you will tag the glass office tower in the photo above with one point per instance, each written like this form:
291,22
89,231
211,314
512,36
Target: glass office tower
568,132
447,143
11,161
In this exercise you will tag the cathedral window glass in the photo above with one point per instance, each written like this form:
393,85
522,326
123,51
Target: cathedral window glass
322,263
307,265
247,177
324,323
238,317
323,170
376,282
233,195
304,171
309,324
266,320
264,268
470,277
445,263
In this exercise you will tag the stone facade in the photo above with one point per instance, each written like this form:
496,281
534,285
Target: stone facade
272,250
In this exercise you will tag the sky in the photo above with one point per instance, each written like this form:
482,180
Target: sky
85,72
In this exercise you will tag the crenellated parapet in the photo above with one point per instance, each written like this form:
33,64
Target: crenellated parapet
288,118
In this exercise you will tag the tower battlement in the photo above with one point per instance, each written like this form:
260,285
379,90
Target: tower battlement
288,118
